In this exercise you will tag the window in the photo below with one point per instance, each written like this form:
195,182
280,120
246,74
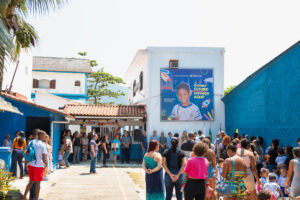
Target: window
52,84
35,83
44,84
133,88
173,64
77,83
141,81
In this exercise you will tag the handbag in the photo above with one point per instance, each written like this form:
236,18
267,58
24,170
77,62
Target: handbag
225,188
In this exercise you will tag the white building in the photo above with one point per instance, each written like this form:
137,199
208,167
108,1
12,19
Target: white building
144,82
21,83
64,77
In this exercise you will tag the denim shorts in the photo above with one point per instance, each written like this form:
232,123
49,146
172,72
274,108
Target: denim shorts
211,171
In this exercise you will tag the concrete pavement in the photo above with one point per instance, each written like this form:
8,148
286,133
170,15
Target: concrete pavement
76,183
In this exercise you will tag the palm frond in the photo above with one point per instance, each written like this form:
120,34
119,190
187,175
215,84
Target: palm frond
27,29
7,48
44,6
34,37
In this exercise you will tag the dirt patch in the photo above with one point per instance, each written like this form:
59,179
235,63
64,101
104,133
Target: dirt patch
138,179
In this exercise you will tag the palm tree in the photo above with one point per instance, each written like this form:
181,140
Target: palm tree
15,32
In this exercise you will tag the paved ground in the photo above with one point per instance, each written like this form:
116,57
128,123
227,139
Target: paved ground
76,183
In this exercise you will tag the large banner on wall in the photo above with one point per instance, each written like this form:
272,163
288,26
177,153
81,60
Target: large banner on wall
187,94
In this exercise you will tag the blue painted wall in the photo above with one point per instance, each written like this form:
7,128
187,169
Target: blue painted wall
268,102
10,123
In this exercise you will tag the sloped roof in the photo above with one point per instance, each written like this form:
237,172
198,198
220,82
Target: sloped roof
10,96
61,64
106,110
6,106
58,97
245,82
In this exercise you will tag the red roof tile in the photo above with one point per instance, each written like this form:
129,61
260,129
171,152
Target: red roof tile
11,96
106,110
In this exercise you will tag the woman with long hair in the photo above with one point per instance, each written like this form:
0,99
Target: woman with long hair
152,164
17,149
294,170
106,148
289,154
222,153
184,137
212,167
174,162
85,146
272,155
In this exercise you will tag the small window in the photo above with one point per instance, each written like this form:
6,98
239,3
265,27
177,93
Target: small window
52,84
77,83
35,83
141,81
173,64
44,83
133,88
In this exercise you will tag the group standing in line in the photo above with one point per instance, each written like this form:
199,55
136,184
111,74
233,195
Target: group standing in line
234,168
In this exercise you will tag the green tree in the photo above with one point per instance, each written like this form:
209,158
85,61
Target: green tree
99,81
15,32
229,89
98,85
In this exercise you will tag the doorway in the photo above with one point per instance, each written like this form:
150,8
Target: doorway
42,123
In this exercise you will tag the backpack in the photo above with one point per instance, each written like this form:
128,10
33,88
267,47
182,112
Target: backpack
223,153
30,152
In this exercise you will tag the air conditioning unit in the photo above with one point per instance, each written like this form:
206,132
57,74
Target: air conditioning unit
173,64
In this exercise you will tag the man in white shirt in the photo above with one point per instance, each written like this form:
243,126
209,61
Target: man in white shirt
69,149
200,136
36,167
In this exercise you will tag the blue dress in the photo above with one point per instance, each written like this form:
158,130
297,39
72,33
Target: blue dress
118,149
154,181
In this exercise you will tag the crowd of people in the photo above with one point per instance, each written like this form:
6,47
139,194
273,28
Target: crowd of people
237,167
36,153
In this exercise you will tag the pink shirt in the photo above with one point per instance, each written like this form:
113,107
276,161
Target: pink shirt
197,168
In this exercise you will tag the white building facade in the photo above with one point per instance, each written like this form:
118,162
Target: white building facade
21,83
64,77
144,83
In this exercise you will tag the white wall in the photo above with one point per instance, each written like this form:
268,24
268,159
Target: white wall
138,65
49,101
23,80
65,82
152,60
188,58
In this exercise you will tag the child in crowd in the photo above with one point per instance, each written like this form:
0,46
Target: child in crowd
273,187
60,158
280,158
282,179
264,195
62,152
220,168
264,176
185,110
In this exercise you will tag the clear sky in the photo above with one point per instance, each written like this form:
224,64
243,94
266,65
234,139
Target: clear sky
111,31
